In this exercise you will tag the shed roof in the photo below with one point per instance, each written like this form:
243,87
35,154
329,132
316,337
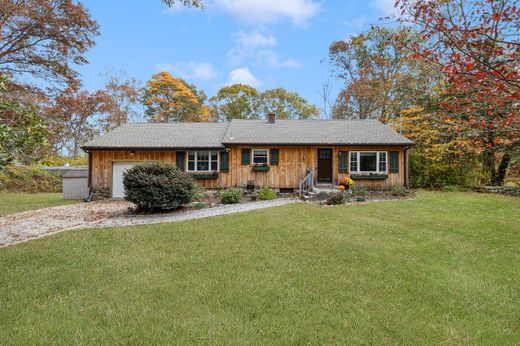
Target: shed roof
76,173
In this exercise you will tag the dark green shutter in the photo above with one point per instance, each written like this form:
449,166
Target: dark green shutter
224,161
246,156
274,156
180,158
394,162
343,162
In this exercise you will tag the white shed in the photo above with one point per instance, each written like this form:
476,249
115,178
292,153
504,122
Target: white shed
75,184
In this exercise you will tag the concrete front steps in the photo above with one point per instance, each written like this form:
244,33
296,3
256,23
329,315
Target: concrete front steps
320,193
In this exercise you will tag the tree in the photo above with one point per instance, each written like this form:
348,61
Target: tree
380,79
474,45
169,99
286,105
23,132
44,39
124,105
237,101
327,105
437,159
187,3
72,118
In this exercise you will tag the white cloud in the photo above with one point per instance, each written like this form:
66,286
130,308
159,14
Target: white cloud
272,59
385,7
242,75
247,44
256,46
201,71
266,11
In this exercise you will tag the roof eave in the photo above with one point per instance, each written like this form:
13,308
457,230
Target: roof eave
313,144
150,148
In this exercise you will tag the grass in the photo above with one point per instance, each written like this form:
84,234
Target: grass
443,268
11,202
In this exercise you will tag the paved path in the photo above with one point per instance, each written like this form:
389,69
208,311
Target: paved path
33,224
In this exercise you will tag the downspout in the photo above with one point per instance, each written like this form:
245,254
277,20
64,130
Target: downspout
406,185
89,198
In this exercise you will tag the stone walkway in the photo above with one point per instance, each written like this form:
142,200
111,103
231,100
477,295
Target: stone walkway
33,224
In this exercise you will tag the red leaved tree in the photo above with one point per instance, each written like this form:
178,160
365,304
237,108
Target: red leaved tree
475,44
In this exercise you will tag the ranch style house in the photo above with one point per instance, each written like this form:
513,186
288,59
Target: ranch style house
279,154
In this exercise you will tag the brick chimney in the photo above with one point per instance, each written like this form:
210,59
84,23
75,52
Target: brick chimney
271,118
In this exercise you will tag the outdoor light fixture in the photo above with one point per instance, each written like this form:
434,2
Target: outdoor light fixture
132,153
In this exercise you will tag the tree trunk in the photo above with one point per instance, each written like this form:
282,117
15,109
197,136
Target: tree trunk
488,163
502,169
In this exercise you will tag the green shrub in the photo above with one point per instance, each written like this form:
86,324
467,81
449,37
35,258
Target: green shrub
337,198
29,179
398,191
266,193
427,173
158,186
360,199
232,195
359,191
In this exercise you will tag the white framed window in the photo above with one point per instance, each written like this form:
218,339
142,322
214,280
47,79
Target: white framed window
202,161
260,156
368,161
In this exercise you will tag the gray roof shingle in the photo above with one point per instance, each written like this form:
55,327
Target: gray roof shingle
160,136
259,132
76,173
293,132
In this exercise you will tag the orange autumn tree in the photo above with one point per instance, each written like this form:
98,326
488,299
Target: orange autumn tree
170,99
437,158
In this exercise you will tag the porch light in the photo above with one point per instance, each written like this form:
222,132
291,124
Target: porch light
132,153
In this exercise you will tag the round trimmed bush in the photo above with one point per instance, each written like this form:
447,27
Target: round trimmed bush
266,194
158,186
231,195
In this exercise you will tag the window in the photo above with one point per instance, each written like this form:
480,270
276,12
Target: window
368,161
260,156
382,162
202,161
353,162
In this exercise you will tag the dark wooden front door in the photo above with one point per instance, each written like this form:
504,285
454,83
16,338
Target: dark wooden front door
324,165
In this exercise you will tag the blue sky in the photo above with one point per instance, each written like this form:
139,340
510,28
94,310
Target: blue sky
264,43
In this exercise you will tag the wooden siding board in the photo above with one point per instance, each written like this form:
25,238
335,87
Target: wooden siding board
292,166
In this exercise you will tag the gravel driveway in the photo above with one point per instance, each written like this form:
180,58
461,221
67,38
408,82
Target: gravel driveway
32,224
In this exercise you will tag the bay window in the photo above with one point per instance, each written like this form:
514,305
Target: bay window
368,162
202,161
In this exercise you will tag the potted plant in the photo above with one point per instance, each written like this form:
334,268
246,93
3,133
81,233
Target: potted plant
345,183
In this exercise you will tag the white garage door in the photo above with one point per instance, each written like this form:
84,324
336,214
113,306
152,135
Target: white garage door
118,190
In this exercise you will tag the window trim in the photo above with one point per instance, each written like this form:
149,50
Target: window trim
377,171
196,158
253,157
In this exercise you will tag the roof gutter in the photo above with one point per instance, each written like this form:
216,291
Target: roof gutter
87,149
227,144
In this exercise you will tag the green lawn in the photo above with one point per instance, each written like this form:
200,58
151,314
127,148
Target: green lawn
444,268
11,202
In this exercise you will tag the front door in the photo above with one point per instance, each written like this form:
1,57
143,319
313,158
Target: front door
325,166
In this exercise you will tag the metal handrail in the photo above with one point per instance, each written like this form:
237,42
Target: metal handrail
307,183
